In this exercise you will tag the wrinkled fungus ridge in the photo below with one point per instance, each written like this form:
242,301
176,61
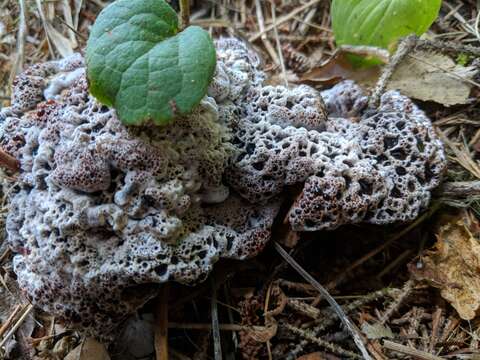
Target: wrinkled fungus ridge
354,164
102,213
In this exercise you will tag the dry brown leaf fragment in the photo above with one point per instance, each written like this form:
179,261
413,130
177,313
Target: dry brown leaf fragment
339,68
89,349
453,266
425,76
62,347
434,77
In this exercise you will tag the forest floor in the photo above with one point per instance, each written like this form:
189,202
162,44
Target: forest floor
411,290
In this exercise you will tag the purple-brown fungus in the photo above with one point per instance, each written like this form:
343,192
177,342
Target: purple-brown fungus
102,213
356,164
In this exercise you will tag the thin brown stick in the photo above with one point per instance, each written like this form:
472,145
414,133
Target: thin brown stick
265,311
5,255
462,155
306,23
208,327
284,19
460,189
404,47
447,46
279,46
185,13
404,255
217,344
26,310
449,328
266,42
437,321
8,161
10,320
36,341
212,23
161,324
21,35
230,309
414,353
71,28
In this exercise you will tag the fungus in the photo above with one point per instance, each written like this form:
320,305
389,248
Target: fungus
356,164
102,212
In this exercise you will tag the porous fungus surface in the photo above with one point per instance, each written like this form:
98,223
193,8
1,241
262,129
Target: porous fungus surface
101,212
354,164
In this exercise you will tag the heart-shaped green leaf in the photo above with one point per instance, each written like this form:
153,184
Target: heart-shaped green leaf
138,62
381,23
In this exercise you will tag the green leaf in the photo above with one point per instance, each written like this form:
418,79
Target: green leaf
381,23
138,62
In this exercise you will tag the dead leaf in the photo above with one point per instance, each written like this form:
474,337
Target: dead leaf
62,347
377,331
435,77
89,349
454,266
422,75
339,68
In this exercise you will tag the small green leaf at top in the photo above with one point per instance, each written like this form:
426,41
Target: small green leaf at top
139,62
380,23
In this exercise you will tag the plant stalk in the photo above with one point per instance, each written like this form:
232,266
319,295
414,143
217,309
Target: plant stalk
185,13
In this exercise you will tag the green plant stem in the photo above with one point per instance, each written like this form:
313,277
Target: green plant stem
185,13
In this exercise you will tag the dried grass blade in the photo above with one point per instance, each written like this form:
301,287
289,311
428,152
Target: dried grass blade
67,15
217,344
76,14
161,324
337,308
27,309
21,35
414,353
462,155
10,319
283,19
55,39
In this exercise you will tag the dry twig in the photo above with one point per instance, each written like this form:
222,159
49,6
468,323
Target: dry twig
217,342
338,310
416,354
406,45
161,324
25,311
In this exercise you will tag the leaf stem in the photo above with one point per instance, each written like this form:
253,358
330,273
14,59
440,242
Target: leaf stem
185,13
